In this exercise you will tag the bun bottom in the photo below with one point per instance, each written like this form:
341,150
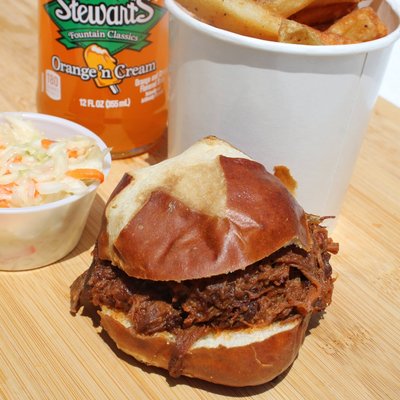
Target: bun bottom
245,357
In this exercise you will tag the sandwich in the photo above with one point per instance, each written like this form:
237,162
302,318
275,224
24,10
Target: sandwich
206,265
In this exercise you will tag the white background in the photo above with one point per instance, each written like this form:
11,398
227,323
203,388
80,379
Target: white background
390,88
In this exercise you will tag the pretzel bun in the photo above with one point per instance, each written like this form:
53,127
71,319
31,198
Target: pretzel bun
242,357
209,211
209,219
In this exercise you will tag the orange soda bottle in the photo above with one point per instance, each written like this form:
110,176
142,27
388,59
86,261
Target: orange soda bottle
103,64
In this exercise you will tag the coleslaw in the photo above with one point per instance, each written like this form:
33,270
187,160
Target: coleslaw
36,170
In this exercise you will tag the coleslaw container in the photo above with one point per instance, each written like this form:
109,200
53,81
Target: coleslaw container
32,237
305,107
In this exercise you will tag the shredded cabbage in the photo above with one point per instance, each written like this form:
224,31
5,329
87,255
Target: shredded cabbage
35,170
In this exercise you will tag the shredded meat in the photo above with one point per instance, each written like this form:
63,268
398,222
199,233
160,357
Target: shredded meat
184,340
289,282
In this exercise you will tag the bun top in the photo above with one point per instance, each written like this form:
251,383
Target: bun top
209,211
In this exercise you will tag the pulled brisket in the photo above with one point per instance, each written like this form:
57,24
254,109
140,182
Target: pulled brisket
287,283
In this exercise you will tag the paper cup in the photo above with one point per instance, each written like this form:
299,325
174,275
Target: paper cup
305,107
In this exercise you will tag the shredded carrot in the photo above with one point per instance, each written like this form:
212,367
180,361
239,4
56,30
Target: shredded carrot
16,159
7,188
86,173
72,153
46,143
4,203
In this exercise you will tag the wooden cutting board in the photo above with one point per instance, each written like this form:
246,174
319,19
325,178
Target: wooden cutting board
353,353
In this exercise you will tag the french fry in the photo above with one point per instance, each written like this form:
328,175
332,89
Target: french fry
338,21
246,17
323,15
285,8
293,32
361,25
317,3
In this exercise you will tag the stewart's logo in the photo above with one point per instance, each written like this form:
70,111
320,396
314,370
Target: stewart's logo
113,25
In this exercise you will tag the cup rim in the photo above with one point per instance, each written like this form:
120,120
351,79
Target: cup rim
33,116
287,48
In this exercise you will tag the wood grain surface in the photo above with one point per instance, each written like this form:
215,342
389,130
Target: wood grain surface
352,353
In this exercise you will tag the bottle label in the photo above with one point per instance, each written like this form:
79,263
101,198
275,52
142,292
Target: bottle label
104,28
53,85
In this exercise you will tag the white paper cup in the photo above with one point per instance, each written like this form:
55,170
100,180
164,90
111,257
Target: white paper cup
306,107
